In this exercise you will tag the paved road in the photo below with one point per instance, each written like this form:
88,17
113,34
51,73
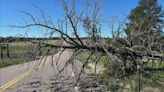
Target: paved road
45,79
43,73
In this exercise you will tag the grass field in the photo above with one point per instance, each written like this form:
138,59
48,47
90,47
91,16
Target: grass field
16,50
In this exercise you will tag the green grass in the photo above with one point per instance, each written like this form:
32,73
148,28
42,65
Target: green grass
10,61
155,79
152,79
17,49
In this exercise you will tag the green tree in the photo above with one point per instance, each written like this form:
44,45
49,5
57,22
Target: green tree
147,17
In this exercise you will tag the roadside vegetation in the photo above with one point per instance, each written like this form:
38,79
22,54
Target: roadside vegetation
15,50
19,53
152,80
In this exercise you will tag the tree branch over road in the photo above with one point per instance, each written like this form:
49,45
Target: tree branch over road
133,45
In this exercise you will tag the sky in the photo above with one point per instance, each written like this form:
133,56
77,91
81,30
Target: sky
9,14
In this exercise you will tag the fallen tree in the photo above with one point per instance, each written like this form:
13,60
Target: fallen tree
146,46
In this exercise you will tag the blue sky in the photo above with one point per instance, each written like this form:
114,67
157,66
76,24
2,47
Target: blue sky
10,16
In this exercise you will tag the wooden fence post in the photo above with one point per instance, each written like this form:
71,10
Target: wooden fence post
1,51
8,54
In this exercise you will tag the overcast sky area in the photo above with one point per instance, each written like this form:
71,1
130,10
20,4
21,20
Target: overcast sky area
9,14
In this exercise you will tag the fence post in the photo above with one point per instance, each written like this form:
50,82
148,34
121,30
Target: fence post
1,51
8,54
